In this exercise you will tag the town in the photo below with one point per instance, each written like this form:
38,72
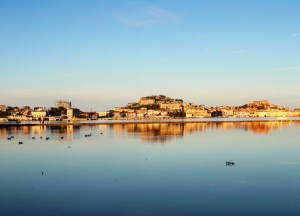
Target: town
150,107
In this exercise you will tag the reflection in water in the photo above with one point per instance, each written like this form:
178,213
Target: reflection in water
160,133
153,133
40,132
113,174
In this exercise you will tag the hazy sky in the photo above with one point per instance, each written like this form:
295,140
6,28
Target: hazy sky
102,54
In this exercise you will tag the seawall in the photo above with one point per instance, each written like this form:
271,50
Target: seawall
137,122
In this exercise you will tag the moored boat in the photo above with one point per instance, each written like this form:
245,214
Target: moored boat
78,119
282,118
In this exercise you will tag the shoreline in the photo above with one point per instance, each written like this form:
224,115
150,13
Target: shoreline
140,122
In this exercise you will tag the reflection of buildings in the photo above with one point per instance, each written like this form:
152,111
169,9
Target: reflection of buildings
26,131
162,132
38,130
3,132
65,131
153,132
254,127
69,132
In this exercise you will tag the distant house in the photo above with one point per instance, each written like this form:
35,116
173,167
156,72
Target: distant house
90,115
117,114
129,110
150,112
227,112
38,114
118,109
3,108
102,114
27,112
140,115
157,112
73,112
164,113
131,115
242,113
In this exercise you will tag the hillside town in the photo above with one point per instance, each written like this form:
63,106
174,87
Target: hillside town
150,107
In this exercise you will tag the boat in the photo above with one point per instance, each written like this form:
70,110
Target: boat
78,119
282,118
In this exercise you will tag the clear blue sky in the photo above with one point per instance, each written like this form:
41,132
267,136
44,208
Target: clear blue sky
102,54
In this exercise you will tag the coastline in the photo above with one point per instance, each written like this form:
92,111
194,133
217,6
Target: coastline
174,121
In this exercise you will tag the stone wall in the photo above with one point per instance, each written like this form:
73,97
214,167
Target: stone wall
146,101
171,106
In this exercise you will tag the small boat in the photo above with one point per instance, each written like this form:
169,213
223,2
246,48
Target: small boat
282,118
78,119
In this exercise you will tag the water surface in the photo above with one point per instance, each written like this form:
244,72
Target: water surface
151,169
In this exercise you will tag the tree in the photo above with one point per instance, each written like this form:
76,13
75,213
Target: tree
244,106
57,111
2,114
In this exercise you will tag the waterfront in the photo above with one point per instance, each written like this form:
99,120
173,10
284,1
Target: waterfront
151,169
149,121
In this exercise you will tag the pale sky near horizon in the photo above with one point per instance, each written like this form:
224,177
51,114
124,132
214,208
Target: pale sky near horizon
102,54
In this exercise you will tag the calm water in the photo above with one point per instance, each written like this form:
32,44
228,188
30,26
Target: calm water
151,169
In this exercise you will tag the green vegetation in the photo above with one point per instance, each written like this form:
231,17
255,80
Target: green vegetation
260,107
244,106
9,108
2,114
57,111
110,113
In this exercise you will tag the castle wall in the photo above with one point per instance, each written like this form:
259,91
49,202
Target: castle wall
146,101
169,106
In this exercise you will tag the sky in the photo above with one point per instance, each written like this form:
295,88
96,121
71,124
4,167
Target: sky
104,54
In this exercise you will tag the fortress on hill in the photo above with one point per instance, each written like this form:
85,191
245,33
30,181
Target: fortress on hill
157,106
163,102
168,104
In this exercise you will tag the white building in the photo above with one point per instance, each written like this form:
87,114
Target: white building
73,112
64,104
38,114
102,114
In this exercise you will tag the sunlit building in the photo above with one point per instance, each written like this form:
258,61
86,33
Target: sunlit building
64,104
